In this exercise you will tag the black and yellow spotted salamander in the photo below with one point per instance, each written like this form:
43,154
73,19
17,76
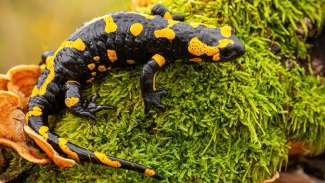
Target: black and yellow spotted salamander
117,41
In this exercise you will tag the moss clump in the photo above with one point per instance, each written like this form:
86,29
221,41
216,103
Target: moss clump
14,167
226,123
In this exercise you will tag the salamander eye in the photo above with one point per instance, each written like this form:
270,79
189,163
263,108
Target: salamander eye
228,53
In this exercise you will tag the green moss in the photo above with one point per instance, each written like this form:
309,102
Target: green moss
14,165
227,122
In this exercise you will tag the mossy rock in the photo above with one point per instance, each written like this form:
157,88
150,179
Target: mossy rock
227,122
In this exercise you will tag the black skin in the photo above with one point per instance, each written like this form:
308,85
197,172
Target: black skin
161,10
74,65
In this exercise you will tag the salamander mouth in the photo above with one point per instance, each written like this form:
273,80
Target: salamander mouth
228,54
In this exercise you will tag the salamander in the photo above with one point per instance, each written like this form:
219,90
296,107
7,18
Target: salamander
120,40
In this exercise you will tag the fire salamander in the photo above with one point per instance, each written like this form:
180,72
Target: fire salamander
117,41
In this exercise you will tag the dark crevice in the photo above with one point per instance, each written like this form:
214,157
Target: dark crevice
318,55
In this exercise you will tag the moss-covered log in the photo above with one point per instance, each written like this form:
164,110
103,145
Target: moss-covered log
228,122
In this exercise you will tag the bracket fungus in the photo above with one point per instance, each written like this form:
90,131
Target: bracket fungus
11,128
15,89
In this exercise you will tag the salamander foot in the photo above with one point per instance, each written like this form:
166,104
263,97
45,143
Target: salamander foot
153,99
89,109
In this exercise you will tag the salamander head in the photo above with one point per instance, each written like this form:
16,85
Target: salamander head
215,45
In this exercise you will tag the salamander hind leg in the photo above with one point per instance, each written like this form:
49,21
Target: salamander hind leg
150,95
162,11
82,108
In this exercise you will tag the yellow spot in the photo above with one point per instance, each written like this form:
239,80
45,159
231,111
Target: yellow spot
110,26
96,58
90,80
43,67
216,57
102,68
168,16
71,101
91,66
149,172
35,91
43,132
159,59
48,80
94,74
198,60
78,44
130,62
36,111
198,48
105,160
225,31
63,145
165,33
171,23
225,42
136,29
112,56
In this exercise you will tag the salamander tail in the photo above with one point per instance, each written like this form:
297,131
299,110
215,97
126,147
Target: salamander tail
78,153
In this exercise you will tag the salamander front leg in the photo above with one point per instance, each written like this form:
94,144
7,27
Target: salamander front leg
162,11
150,95
82,108
45,55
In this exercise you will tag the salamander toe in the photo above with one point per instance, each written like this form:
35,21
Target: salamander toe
153,99
89,109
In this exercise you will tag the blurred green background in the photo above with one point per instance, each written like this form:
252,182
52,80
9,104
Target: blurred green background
30,27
